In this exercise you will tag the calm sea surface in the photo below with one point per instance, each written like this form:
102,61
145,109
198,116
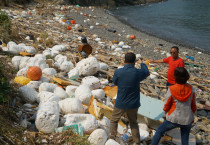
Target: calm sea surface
184,21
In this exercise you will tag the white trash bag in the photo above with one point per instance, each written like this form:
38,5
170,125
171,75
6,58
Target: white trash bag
29,94
71,105
60,93
111,142
98,137
83,93
70,90
45,96
47,118
98,94
88,66
73,74
92,82
88,121
49,87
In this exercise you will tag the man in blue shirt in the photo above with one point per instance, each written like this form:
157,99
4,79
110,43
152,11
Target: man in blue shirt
128,96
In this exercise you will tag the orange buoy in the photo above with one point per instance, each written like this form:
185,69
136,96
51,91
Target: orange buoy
132,37
68,28
34,73
73,21
62,12
85,14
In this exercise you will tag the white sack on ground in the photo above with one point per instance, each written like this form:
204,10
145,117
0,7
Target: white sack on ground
29,49
49,87
111,142
49,71
92,82
45,96
58,56
66,66
23,62
59,47
61,59
104,123
60,93
44,80
73,74
13,47
22,72
71,105
42,56
98,94
103,66
144,135
70,90
54,53
143,126
29,94
34,84
16,61
41,63
98,137
83,93
88,66
47,118
104,82
88,121
47,53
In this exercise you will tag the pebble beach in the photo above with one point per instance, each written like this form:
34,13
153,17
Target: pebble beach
110,37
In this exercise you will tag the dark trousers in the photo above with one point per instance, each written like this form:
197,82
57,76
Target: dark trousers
168,84
132,117
166,126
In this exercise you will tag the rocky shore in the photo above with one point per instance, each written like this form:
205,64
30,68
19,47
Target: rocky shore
44,26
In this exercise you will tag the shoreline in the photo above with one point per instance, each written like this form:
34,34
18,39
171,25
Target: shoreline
151,41
171,40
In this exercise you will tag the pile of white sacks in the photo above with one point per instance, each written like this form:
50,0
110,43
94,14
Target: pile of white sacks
70,103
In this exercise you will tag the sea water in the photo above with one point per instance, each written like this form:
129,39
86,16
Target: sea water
186,22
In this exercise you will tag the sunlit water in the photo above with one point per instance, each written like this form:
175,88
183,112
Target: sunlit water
183,21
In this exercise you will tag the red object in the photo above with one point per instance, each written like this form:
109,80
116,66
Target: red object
172,65
73,21
85,14
34,73
62,12
132,37
182,93
29,13
60,86
68,28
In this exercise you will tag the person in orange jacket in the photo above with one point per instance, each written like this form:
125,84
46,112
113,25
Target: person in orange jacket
180,106
173,62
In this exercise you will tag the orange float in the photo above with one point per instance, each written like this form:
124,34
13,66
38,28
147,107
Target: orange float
34,73
85,14
132,37
68,28
73,21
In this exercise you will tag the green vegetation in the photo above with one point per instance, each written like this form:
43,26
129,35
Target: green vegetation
5,27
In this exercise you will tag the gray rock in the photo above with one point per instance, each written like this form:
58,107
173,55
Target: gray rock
199,142
202,113
208,116
205,141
